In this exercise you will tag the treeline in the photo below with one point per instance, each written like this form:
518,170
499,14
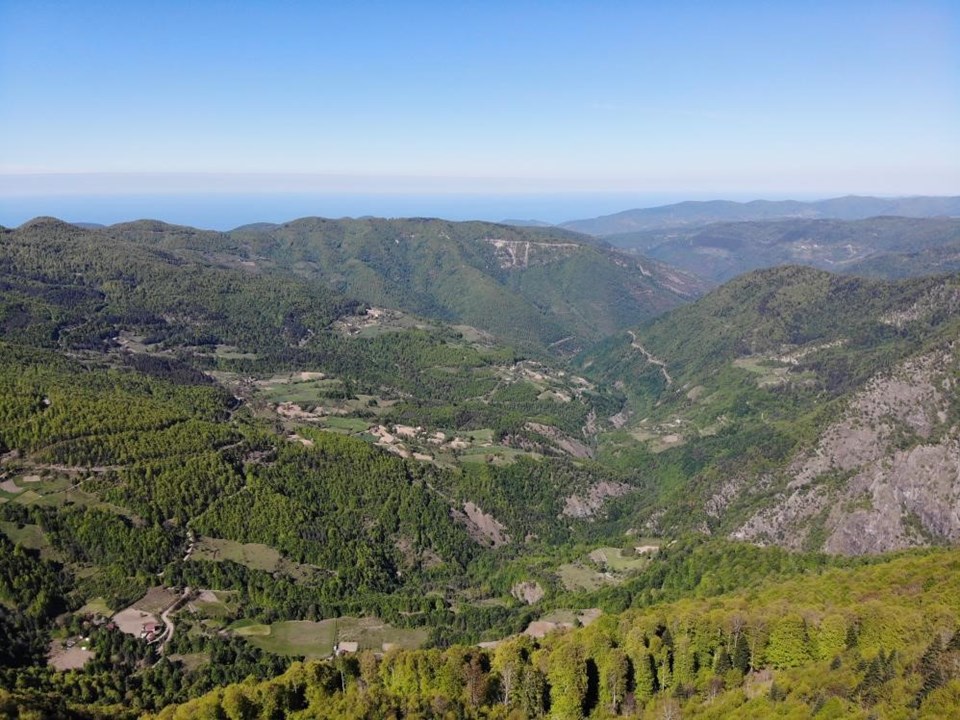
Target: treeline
876,641
54,405
32,592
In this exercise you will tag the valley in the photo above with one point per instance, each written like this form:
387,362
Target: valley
364,444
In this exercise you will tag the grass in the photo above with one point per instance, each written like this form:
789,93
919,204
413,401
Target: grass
769,375
76,496
155,601
30,536
229,352
613,558
497,454
96,606
30,497
254,555
576,576
191,661
293,637
560,617
483,435
282,388
215,605
346,423
318,639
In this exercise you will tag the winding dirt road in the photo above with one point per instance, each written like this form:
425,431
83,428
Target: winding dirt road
650,358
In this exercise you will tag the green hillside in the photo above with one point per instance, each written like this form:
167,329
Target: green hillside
699,213
879,641
530,286
224,452
776,369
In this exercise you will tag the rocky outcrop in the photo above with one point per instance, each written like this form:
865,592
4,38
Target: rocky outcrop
482,527
884,476
528,592
586,506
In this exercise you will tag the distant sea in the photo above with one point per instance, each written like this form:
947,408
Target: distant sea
224,212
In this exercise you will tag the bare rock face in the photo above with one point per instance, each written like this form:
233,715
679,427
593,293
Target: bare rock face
528,592
482,527
569,445
912,500
884,476
524,253
577,506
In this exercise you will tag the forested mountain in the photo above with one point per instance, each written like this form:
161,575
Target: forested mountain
877,641
698,213
532,287
806,409
223,452
890,247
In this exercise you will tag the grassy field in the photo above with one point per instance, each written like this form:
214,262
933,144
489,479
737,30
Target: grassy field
496,454
767,374
191,661
613,558
253,555
55,491
156,600
30,536
318,639
352,425
229,352
214,604
583,575
96,606
577,576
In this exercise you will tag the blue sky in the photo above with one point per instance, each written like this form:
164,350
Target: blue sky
725,99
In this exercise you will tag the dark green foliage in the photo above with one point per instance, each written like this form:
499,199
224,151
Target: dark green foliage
72,287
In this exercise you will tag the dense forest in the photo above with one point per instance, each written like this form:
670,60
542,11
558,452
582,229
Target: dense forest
220,461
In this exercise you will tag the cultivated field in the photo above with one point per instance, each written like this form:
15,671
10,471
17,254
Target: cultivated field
318,639
64,658
254,555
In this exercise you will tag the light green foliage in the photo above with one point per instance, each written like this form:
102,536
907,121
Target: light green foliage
789,645
568,681
791,683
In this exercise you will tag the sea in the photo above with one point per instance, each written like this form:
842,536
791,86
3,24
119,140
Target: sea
227,211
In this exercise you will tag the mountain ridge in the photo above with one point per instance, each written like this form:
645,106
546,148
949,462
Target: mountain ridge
884,246
792,366
531,286
694,212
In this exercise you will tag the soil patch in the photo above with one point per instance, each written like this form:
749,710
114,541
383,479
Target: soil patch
131,621
9,486
64,658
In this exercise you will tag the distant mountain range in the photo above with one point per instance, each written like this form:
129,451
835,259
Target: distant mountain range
889,247
691,213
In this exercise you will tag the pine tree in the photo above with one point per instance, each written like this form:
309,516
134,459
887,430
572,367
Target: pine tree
722,663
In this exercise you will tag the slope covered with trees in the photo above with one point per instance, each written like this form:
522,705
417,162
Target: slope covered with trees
781,367
207,430
879,641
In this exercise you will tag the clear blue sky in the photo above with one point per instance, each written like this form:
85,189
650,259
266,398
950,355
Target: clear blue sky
711,98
